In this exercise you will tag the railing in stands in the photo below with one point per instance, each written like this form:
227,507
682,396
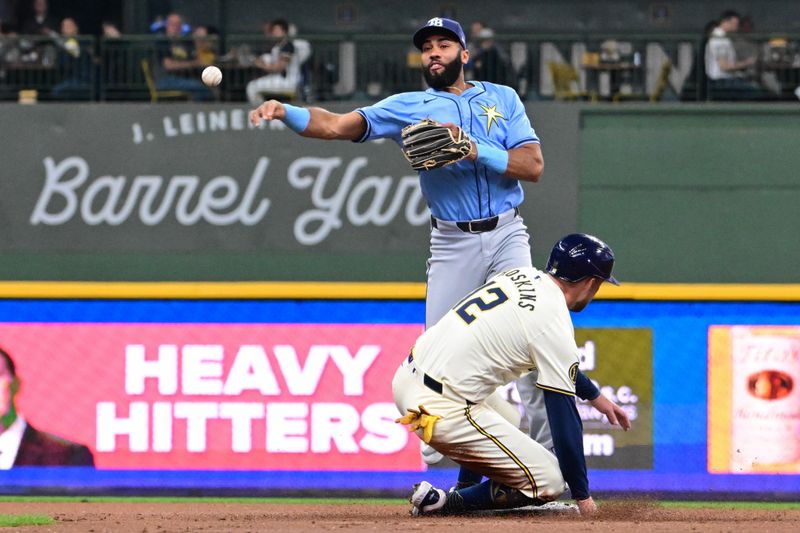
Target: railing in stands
342,67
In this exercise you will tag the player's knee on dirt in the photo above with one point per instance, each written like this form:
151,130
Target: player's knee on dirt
550,482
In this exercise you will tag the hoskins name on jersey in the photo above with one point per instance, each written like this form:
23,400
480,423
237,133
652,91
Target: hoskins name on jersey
527,292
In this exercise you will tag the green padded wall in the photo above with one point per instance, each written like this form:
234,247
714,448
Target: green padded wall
705,193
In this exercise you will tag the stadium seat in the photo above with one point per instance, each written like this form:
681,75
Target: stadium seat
155,94
658,91
565,82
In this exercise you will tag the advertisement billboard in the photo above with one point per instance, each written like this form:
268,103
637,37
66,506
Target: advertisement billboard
218,396
754,399
620,361
273,397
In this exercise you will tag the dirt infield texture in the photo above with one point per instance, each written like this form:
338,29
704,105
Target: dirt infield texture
97,517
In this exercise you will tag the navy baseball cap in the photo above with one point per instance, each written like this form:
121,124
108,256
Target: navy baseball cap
440,25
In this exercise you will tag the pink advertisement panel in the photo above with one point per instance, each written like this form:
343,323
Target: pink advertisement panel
218,396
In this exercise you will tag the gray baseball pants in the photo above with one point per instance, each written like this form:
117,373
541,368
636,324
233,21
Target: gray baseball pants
459,263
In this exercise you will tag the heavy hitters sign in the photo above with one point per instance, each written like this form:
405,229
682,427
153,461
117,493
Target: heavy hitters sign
195,192
215,396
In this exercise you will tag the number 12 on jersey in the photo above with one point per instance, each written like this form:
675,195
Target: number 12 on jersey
485,297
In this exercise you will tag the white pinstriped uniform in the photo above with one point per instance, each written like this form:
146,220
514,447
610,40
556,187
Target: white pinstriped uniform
514,324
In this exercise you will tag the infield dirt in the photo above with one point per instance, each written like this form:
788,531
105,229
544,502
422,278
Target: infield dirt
97,517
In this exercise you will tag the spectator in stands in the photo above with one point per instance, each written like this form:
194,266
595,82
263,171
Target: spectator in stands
9,49
472,45
110,30
177,54
8,16
489,61
37,20
20,443
74,63
724,70
159,25
283,64
746,49
205,45
475,30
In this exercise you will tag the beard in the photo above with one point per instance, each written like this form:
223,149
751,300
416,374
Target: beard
447,77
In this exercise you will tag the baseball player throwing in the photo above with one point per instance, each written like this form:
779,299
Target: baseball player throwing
470,167
517,322
473,144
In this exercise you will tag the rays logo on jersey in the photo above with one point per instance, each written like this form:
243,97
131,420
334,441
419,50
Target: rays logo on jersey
492,115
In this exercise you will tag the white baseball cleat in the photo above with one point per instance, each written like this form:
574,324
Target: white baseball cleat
426,499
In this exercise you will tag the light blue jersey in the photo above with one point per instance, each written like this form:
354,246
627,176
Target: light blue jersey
491,114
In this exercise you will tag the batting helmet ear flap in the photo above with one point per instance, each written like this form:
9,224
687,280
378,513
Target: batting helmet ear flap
578,256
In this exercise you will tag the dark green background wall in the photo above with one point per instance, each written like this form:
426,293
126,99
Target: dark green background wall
694,193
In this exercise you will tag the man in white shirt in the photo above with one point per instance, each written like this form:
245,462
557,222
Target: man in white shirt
724,70
20,443
282,65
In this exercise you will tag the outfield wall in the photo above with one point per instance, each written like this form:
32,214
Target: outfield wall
191,192
283,396
185,192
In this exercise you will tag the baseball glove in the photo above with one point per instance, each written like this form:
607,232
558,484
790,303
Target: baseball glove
428,145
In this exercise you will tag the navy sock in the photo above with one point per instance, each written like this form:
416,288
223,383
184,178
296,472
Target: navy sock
491,495
477,497
467,477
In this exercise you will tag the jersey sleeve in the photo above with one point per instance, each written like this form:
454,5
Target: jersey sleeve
584,388
556,357
385,118
520,130
567,430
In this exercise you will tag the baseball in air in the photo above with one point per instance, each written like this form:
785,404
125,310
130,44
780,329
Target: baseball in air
212,76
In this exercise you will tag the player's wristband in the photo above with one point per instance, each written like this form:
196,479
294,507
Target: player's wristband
297,118
492,157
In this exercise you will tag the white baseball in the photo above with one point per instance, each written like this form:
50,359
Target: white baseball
212,76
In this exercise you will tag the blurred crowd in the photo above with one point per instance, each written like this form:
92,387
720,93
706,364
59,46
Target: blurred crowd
277,64
31,39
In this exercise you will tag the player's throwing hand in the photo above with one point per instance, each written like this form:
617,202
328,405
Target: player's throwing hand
269,110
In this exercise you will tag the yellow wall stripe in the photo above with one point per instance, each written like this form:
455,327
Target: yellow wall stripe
702,291
234,290
310,290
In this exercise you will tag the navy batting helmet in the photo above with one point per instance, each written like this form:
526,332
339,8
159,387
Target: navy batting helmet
578,256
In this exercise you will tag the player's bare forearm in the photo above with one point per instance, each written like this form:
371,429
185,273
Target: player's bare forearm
327,125
525,163
279,66
322,124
